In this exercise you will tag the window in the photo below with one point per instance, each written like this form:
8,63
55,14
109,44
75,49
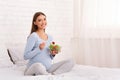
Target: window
101,13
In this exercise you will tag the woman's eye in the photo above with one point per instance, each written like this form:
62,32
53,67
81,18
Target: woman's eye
39,20
44,18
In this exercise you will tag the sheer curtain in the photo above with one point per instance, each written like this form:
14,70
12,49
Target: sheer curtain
96,38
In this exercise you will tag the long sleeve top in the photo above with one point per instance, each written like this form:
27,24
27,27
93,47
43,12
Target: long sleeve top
33,52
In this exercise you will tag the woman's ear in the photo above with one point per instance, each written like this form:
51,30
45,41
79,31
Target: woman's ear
34,23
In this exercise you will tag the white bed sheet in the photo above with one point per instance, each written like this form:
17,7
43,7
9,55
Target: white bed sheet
79,72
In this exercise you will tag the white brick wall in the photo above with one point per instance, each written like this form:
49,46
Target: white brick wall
16,18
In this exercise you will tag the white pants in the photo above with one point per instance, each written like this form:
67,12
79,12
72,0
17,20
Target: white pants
57,68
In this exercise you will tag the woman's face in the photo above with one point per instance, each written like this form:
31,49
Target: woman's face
41,22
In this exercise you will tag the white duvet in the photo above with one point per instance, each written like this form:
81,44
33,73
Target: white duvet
79,72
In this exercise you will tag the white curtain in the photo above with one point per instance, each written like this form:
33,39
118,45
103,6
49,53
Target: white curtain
96,38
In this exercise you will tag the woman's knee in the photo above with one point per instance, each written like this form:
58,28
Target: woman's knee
70,62
37,69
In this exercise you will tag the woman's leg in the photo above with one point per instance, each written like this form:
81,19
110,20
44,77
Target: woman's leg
61,67
36,69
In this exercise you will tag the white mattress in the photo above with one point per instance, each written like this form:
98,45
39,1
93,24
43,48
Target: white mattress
79,72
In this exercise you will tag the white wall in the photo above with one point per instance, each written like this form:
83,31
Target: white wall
16,19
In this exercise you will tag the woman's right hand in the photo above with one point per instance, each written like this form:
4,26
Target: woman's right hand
42,45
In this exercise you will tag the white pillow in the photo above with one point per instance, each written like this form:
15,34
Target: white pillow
17,53
4,57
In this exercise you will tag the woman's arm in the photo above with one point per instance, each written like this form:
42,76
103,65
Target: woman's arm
29,51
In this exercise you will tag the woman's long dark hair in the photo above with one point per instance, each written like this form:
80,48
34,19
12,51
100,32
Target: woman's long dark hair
35,27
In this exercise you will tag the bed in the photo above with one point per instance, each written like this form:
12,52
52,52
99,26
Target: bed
79,72
12,67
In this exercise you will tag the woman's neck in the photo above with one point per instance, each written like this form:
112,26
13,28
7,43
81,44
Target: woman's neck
41,32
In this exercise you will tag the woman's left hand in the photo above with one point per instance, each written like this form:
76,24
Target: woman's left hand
54,52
